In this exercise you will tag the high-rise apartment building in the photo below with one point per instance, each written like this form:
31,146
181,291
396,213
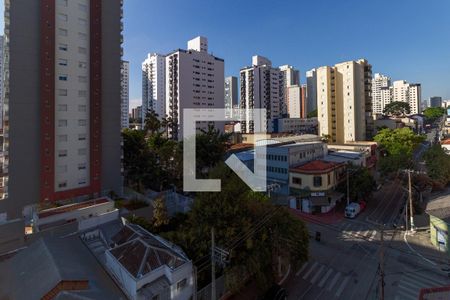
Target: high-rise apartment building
294,101
260,88
154,85
62,100
231,95
194,79
304,105
435,101
381,93
1,81
125,94
410,93
136,113
311,90
344,101
288,77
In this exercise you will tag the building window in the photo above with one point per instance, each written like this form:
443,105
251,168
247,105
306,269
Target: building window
82,94
62,77
62,92
62,17
62,62
317,181
181,284
82,22
82,181
296,180
82,50
82,65
82,137
82,36
81,166
62,32
62,153
82,108
82,79
62,123
62,3
62,47
62,138
62,107
82,151
82,122
62,184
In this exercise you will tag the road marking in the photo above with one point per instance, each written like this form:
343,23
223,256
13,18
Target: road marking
302,268
313,280
372,237
322,282
310,270
343,284
367,233
335,278
423,280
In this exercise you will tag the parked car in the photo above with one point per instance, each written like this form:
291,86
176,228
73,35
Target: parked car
276,292
354,208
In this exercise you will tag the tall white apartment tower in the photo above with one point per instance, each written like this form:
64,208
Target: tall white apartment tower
410,93
381,94
231,95
260,88
125,94
194,79
311,90
344,102
288,77
154,85
1,81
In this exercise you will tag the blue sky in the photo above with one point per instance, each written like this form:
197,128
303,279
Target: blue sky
405,39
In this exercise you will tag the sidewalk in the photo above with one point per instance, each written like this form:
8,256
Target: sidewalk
419,242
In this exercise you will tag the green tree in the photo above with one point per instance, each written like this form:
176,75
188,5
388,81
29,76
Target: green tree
234,213
361,184
160,216
397,109
210,149
152,124
397,146
312,114
433,113
438,165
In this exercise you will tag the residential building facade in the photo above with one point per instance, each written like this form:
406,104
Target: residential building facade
381,93
344,101
288,77
231,95
435,101
294,102
63,95
194,79
260,89
410,93
1,80
297,125
154,85
311,90
125,94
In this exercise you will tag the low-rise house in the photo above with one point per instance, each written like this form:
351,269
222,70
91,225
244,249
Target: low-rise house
439,211
446,145
314,185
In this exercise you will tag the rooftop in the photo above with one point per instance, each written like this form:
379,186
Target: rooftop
440,208
316,166
141,252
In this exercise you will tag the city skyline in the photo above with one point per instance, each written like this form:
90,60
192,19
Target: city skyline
388,33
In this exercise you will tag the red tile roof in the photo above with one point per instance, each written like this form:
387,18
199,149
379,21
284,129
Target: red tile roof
446,142
316,166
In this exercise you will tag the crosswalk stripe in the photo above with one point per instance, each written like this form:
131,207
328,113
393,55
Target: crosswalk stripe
342,286
335,278
322,282
423,280
406,295
374,233
313,280
302,268
310,270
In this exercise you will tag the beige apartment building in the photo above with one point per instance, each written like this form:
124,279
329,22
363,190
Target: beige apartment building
344,101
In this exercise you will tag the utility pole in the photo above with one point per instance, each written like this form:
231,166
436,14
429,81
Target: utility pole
213,267
406,216
410,200
382,263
